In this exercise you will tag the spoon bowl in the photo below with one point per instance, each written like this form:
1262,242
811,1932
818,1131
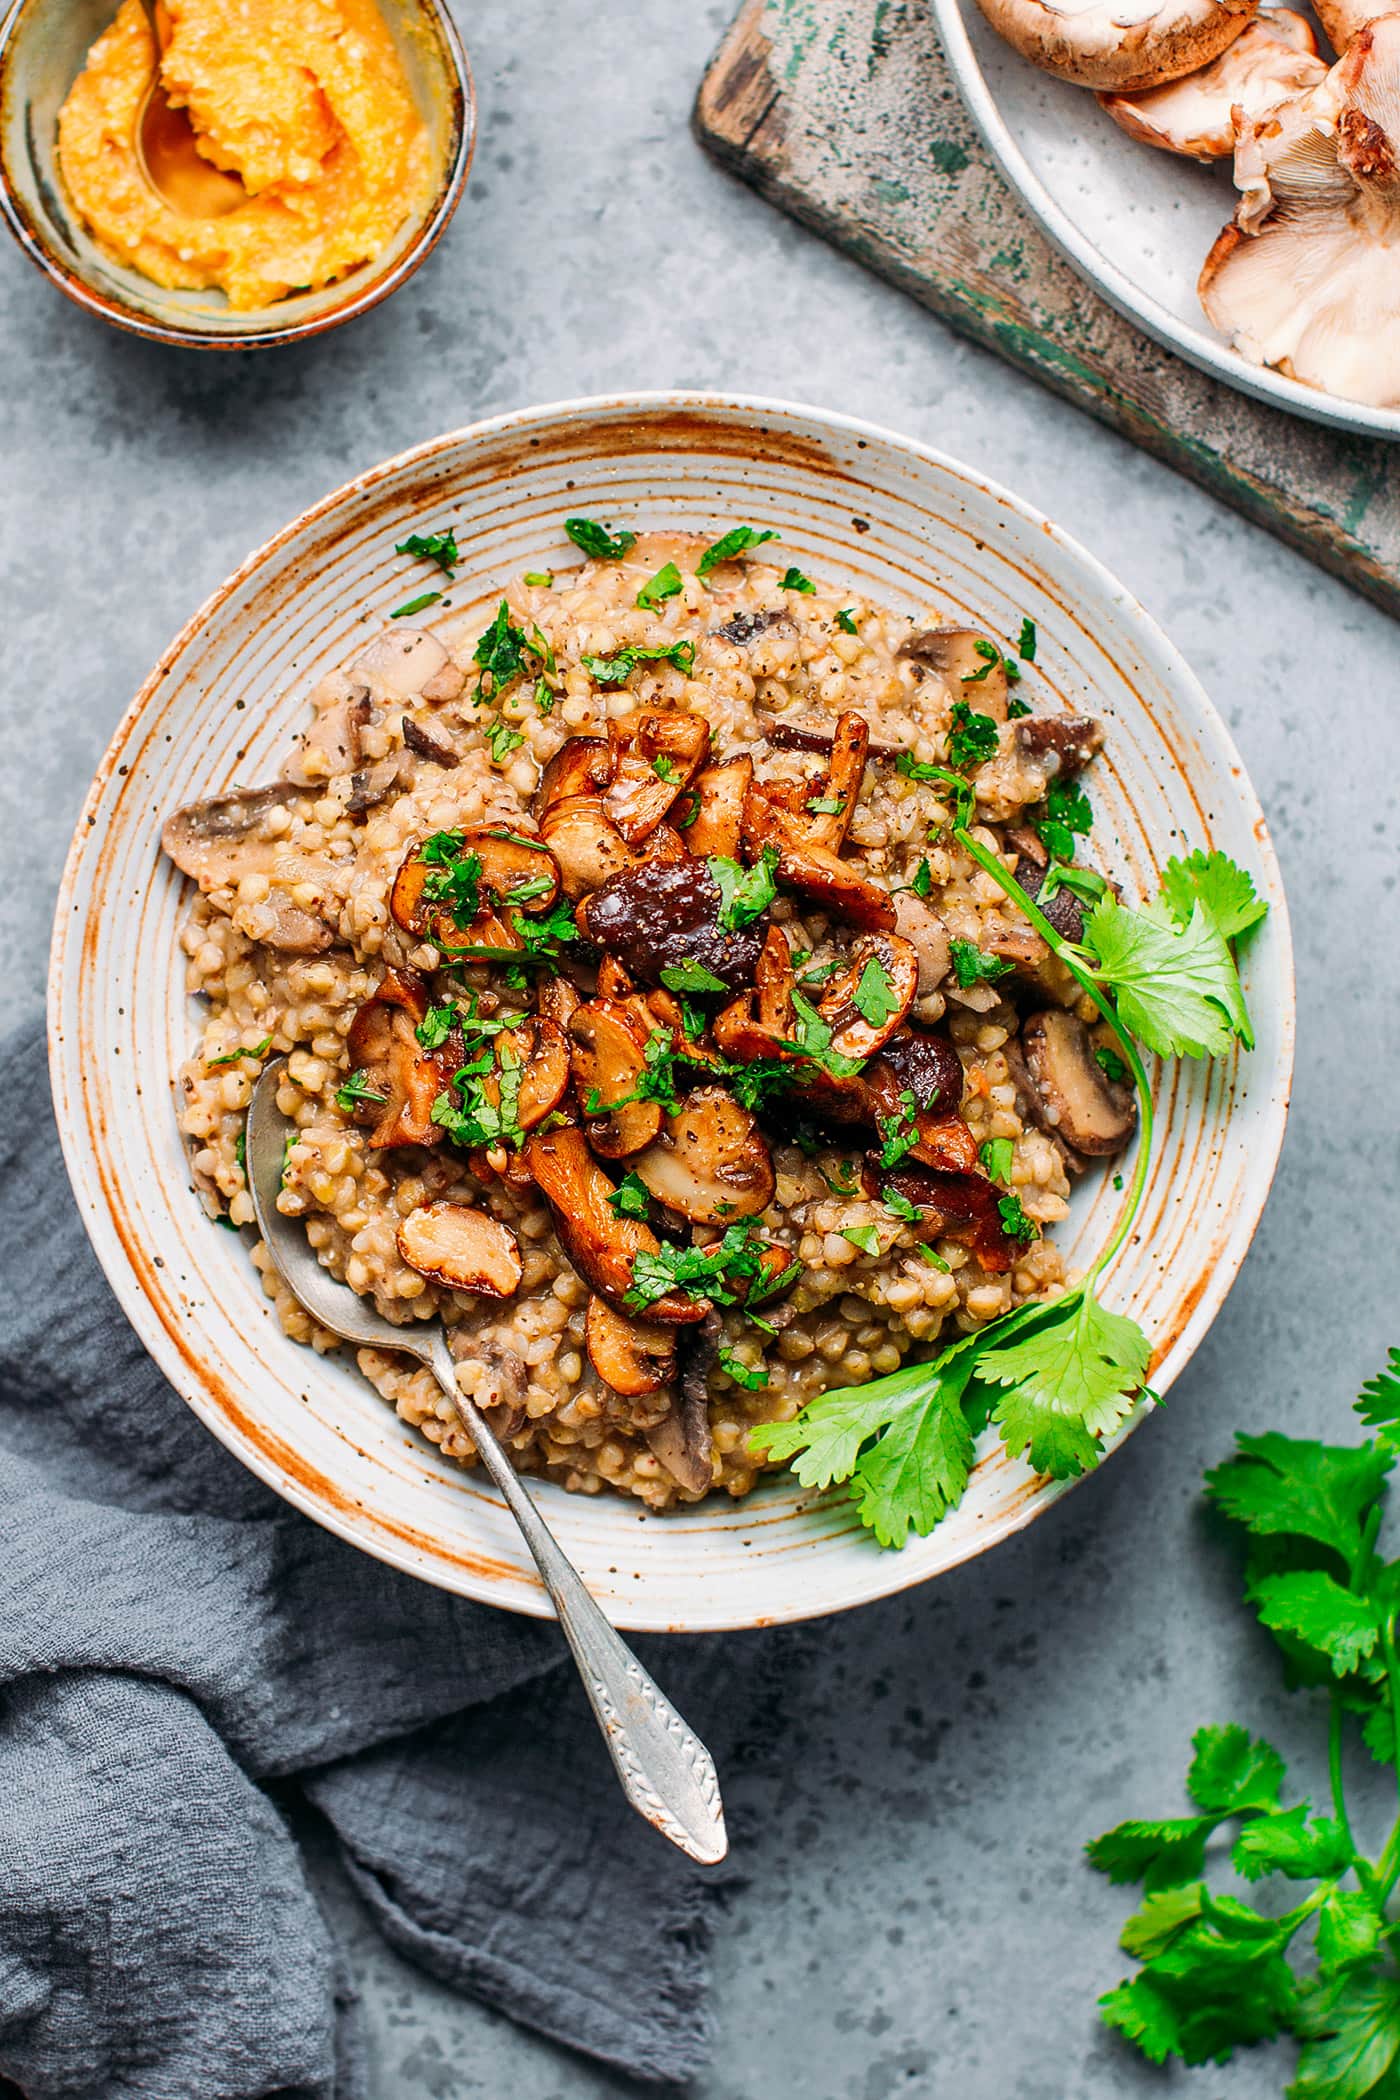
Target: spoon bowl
666,1772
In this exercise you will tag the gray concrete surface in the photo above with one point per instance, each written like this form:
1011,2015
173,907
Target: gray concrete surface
917,1919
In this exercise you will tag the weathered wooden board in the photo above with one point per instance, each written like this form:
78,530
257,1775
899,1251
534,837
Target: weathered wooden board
847,118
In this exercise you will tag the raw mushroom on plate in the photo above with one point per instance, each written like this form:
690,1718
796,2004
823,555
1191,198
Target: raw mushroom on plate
1119,46
1274,59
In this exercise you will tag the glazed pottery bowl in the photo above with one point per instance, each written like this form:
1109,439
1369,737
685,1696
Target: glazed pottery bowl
44,46
903,525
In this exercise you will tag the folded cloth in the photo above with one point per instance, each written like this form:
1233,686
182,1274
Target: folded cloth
173,1638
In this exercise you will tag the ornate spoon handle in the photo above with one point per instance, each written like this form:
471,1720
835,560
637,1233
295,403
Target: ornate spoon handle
667,1773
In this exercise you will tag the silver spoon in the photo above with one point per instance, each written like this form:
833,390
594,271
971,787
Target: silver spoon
667,1773
166,152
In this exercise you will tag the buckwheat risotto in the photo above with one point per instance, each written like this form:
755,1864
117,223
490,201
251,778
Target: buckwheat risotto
641,1017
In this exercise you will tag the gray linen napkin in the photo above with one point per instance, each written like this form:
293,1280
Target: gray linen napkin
173,1638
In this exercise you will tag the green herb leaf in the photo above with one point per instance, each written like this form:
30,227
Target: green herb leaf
501,649
1177,989
1070,1380
1160,1854
899,1206
845,620
991,656
1025,647
666,583
613,670
1282,1486
231,1057
415,605
973,738
1222,888
436,1026
744,893
542,579
1111,1064
1314,1606
922,881
996,1156
874,997
899,1133
691,976
1016,708
440,547
502,740
826,805
355,1090
794,580
631,1198
733,544
753,1377
597,542
1233,1771
971,966
1014,1221
865,1237
712,1272
544,697
1066,803
1289,1843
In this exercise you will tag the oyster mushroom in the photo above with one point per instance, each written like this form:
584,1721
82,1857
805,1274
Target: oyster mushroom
405,1078
1072,1096
220,841
1119,46
1304,279
682,1439
711,1162
608,1060
865,1004
970,664
918,923
665,914
654,758
1275,58
601,1245
631,1356
711,818
452,1244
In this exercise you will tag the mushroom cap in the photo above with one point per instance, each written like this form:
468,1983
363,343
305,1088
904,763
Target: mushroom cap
1119,46
1304,278
1071,1094
1275,58
465,1249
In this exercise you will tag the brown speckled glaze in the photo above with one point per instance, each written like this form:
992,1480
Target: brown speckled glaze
910,529
43,46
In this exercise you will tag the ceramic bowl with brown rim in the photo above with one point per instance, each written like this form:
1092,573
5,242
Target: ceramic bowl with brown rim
44,46
907,528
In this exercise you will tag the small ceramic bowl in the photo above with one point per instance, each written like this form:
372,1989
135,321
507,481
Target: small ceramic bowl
44,46
907,528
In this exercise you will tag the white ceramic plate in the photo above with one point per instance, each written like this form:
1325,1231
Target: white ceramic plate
905,525
1136,222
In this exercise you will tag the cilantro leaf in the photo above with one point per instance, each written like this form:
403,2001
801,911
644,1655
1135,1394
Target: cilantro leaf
1068,809
1287,1843
1379,1403
745,893
502,740
689,976
666,583
1351,2030
499,651
440,547
736,542
973,738
1222,888
916,1472
355,1090
866,1237
1314,1606
794,580
1232,1771
1159,1855
1069,1380
631,1198
996,1157
874,997
845,620
436,1026
1348,1929
1159,1918
971,966
1177,988
1025,647
415,605
613,670
231,1057
1280,1485
1015,1222
991,656
900,1207
596,541
752,1377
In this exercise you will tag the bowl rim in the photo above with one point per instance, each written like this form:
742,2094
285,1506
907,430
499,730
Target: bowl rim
108,307
887,1573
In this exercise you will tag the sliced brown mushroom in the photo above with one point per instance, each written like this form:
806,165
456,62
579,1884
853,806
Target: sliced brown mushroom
1034,752
745,627
865,1003
556,999
711,818
1119,45
925,1064
608,1060
654,757
711,1162
516,873
473,1342
333,745
430,744
601,1245
394,1066
1074,1097
797,736
539,1051
631,1356
1064,910
666,914
813,868
1275,59
682,1439
969,663
573,822
845,774
465,1249
220,841
918,923
962,1207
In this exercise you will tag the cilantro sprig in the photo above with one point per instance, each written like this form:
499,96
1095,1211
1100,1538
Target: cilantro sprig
1217,1972
1055,1379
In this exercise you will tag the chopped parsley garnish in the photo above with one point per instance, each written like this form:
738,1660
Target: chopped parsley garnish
685,811
657,1080
1067,810
991,656
865,1237
502,740
899,1133
932,1255
826,805
706,1272
631,1198
845,620
973,738
996,1156
542,579
613,670
691,976
820,972
500,652
753,1377
666,769
874,997
899,1206
440,547
355,1090
539,645
794,580
923,879
1017,708
454,877
733,544
1110,1064
744,893
480,1121
1025,647
544,697
436,1026
666,583
415,605
971,966
596,541
231,1057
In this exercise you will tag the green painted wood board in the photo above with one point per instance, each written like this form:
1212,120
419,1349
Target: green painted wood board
846,117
